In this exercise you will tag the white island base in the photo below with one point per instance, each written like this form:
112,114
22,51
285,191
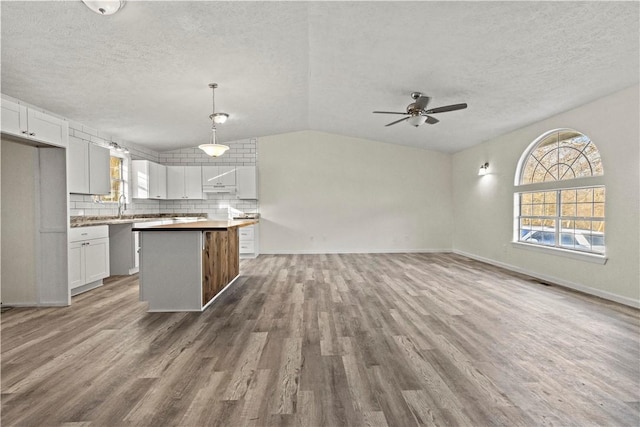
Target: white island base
186,269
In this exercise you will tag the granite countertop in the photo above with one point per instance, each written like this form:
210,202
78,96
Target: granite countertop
86,221
199,225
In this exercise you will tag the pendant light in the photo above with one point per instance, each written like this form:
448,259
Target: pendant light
214,149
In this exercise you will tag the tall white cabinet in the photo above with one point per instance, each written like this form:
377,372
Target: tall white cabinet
34,251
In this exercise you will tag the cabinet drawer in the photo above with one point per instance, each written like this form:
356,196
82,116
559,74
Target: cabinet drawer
78,234
247,247
246,233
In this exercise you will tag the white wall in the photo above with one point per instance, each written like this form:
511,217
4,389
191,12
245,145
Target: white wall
325,193
19,172
483,206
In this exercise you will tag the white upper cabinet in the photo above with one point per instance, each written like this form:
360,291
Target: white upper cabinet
34,125
219,179
88,168
99,173
14,118
184,182
149,180
78,166
246,182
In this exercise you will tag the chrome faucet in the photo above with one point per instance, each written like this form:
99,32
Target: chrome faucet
122,205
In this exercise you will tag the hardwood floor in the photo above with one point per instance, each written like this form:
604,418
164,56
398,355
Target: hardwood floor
330,340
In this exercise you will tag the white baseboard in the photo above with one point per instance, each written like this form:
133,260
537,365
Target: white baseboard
86,287
555,280
31,304
352,251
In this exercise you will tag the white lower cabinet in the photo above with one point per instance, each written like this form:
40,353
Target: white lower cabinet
248,240
88,257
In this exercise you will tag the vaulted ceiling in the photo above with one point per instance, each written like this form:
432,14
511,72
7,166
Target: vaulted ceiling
142,74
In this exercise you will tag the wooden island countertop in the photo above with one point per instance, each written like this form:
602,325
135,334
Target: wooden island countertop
199,225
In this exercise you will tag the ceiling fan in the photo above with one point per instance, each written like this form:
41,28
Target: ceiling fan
417,113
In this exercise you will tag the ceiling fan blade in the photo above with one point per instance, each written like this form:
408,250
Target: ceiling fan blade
446,108
422,102
389,112
431,120
397,121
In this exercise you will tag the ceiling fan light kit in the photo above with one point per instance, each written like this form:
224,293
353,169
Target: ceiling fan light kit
417,113
416,120
104,7
214,149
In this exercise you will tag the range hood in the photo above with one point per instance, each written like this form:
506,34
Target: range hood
216,188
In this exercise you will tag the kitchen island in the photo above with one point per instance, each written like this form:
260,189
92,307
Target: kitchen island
184,267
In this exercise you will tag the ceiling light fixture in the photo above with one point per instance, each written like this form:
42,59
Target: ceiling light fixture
118,147
104,7
483,169
416,120
219,118
214,149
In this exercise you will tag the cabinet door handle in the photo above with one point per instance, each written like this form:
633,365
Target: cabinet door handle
32,134
24,132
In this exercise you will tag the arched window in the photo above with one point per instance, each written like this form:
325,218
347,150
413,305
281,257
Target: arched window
560,200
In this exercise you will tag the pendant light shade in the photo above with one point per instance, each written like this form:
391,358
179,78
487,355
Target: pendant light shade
214,149
219,118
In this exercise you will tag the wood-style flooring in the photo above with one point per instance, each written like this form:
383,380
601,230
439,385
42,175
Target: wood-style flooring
330,340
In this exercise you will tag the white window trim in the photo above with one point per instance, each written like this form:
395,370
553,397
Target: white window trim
565,184
567,253
588,181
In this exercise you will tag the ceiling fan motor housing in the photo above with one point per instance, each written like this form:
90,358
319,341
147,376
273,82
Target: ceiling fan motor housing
413,109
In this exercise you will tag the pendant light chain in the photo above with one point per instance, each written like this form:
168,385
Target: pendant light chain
213,102
214,149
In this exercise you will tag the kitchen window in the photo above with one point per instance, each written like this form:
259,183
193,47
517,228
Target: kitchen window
561,202
118,170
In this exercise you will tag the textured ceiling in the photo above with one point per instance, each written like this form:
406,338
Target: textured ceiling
142,74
